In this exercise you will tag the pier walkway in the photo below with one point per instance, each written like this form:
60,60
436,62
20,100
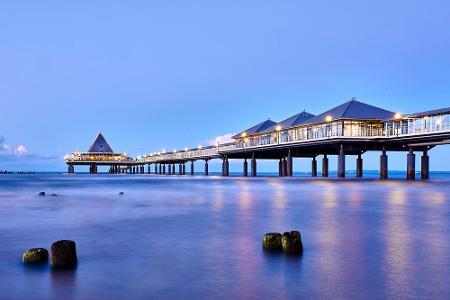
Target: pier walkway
352,128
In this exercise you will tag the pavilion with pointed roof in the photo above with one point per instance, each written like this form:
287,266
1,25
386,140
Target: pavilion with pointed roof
258,128
99,153
100,145
353,110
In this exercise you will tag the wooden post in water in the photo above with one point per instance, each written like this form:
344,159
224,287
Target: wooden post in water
206,168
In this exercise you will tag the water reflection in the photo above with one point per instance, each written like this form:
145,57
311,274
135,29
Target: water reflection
201,238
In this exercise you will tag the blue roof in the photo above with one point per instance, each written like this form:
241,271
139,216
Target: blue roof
440,111
100,145
293,121
261,127
354,110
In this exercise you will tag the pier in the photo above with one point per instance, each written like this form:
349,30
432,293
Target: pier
352,128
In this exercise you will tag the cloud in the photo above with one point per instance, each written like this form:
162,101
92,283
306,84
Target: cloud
226,138
5,148
20,153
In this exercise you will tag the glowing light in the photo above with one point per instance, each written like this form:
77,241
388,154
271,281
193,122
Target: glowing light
438,122
329,118
200,147
244,134
398,116
278,128
185,149
174,151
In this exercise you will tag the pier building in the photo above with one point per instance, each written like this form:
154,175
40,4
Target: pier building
352,128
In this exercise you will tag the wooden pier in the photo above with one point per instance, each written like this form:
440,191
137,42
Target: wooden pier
352,128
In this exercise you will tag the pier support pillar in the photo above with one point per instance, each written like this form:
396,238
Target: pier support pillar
206,168
173,169
245,167
164,169
169,169
425,166
325,166
289,170
71,169
184,169
284,167
225,167
384,165
341,163
253,165
314,167
159,169
280,167
192,167
411,167
180,169
359,166
148,169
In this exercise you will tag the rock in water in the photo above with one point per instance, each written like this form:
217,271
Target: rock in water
63,255
121,193
272,241
35,256
54,195
291,242
41,194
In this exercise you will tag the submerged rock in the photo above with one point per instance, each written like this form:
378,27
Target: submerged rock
35,256
121,193
272,241
63,255
291,242
41,194
54,195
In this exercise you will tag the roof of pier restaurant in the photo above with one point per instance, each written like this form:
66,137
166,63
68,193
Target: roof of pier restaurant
353,110
100,145
441,111
296,120
258,128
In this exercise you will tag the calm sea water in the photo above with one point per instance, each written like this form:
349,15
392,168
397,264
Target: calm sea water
197,237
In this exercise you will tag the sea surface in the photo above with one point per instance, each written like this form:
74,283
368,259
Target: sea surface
184,237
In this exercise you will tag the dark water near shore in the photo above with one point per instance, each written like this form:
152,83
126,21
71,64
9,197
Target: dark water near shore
198,237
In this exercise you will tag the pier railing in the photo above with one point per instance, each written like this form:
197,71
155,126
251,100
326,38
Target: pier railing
338,129
98,157
207,152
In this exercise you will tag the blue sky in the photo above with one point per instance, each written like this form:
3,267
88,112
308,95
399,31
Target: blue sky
175,74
